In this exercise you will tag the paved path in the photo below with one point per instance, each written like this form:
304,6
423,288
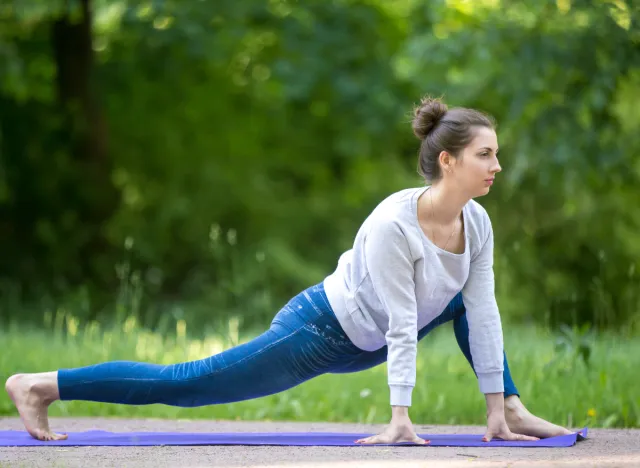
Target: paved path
604,448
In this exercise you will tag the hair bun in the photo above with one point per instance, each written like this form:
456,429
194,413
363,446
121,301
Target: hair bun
427,115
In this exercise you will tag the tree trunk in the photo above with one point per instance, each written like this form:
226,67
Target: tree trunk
89,189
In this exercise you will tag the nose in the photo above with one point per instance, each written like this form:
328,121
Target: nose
495,168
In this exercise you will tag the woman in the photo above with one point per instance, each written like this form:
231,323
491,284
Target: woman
423,257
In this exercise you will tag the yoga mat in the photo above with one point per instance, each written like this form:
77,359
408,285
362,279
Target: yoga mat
336,439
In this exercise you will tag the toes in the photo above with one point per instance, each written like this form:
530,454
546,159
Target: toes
47,436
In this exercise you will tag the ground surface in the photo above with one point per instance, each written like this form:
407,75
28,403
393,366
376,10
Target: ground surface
604,448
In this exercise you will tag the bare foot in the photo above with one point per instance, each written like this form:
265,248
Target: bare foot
32,394
521,421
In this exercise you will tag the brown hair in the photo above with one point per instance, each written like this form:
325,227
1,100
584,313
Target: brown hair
443,129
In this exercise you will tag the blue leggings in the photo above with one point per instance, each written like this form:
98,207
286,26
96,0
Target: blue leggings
304,340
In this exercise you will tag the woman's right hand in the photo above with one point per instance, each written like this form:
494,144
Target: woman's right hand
399,430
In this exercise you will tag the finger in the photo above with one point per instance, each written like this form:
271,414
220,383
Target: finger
488,436
420,441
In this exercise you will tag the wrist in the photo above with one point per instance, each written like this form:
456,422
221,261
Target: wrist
399,412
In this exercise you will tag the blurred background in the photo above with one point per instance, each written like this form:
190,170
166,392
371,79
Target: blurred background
226,152
194,162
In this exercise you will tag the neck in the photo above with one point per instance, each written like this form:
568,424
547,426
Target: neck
447,203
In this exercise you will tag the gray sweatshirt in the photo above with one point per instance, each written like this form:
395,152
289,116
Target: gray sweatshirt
394,281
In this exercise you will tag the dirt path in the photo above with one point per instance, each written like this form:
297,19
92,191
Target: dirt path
604,448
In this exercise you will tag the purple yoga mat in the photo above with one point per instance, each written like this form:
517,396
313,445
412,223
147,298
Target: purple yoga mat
336,439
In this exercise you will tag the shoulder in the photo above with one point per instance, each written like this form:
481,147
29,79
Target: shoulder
393,219
395,213
477,213
478,223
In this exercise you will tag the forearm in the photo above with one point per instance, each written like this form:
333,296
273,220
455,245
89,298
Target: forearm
485,326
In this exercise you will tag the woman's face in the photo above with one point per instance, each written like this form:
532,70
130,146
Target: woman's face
474,170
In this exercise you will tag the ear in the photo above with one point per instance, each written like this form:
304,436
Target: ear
447,162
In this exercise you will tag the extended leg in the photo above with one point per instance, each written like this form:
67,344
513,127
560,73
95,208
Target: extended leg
304,341
274,361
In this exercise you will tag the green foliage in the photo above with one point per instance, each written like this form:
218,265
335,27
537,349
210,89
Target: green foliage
575,344
555,76
231,149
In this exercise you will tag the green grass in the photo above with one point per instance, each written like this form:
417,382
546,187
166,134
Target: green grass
596,385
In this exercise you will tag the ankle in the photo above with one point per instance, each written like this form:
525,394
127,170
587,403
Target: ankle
513,404
44,386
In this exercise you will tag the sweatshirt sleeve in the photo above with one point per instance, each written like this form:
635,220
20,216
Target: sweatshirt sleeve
391,270
485,328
